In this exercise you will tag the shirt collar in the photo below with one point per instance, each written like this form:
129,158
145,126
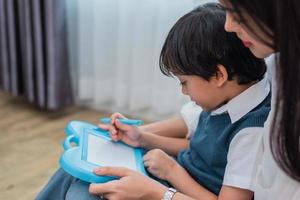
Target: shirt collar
246,101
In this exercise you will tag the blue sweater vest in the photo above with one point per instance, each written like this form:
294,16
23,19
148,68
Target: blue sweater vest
206,158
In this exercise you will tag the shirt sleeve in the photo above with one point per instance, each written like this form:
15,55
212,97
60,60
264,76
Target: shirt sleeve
241,158
190,113
271,63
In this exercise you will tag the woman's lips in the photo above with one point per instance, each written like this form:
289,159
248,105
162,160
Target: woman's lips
247,44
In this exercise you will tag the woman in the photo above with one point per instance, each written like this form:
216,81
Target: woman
265,26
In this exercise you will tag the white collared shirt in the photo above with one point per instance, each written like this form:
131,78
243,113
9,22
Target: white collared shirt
240,159
269,181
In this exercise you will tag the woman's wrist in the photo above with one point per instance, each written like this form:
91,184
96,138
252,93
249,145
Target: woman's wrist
156,192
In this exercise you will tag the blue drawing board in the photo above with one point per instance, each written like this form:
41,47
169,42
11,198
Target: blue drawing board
87,147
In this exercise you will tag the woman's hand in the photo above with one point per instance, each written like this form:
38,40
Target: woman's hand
128,134
159,163
131,185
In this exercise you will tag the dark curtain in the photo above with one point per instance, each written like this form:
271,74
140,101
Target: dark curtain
33,51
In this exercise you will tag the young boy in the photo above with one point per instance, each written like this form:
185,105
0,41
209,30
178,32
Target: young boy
226,80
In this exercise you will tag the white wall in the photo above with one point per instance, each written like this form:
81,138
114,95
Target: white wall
114,51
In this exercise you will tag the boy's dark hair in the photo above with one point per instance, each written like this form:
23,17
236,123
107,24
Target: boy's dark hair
198,42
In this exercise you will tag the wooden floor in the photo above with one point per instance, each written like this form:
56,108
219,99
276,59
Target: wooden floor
30,145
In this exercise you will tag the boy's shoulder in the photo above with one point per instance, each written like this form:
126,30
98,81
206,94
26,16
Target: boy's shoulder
253,119
257,116
261,109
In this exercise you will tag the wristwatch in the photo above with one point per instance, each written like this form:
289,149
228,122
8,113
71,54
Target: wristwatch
169,194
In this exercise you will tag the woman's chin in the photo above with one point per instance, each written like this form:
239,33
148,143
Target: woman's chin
260,54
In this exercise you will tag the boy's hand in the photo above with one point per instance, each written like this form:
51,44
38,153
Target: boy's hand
159,163
128,134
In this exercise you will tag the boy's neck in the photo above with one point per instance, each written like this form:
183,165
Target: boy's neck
233,89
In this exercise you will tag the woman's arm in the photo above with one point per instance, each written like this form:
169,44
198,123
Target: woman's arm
133,185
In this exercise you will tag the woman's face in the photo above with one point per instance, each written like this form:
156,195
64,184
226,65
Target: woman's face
257,47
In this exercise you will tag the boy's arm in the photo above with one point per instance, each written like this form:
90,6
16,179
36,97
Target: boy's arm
137,137
168,135
240,166
173,127
170,145
178,126
184,183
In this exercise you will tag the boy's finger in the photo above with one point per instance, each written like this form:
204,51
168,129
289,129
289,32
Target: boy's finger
110,128
116,116
147,157
147,163
115,137
118,136
121,126
104,126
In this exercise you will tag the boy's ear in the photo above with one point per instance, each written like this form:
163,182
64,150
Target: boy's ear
221,75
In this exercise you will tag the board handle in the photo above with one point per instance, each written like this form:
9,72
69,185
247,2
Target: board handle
71,139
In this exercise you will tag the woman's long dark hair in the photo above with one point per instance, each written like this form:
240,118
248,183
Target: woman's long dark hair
281,21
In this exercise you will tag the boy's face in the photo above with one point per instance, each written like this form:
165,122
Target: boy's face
205,93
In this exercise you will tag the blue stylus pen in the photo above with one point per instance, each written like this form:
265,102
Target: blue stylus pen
124,121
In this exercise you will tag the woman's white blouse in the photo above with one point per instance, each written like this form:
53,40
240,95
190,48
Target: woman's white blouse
270,182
